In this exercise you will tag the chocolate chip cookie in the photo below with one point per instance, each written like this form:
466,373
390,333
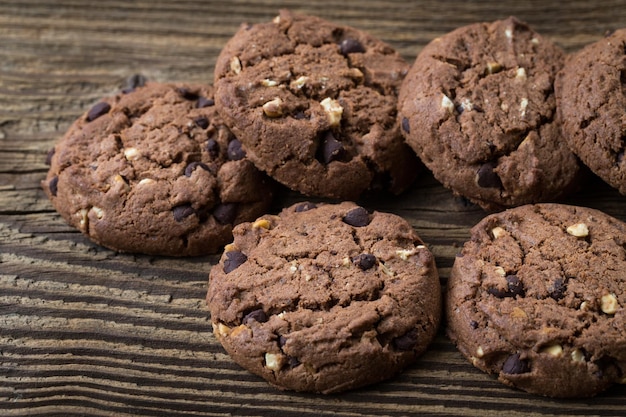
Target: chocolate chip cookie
314,104
478,107
591,98
325,298
537,297
154,170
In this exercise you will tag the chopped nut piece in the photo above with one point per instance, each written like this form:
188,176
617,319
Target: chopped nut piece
480,352
553,350
293,267
493,67
520,74
273,108
385,270
269,83
276,19
466,104
518,313
230,247
522,106
274,361
578,355
534,41
355,74
447,104
262,223
405,253
221,329
609,304
146,181
131,154
508,33
242,328
299,82
97,211
333,109
584,306
84,219
498,232
235,65
578,230
500,271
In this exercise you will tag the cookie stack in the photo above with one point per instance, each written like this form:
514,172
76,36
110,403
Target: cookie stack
325,297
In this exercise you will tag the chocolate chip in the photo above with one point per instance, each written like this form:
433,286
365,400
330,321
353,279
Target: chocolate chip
183,211
300,115
292,362
407,341
487,177
192,167
225,213
305,207
558,289
213,148
514,365
364,261
235,151
350,46
281,341
405,125
201,122
515,286
256,315
53,185
330,149
133,82
100,109
205,102
49,156
187,94
234,259
474,324
357,217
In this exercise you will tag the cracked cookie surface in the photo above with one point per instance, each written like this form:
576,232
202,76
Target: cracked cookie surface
478,107
325,298
591,98
537,297
314,104
154,170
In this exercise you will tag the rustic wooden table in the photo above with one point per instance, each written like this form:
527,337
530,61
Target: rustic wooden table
86,331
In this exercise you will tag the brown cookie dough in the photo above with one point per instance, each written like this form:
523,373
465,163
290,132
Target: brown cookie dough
591,98
314,104
325,298
153,170
538,297
478,107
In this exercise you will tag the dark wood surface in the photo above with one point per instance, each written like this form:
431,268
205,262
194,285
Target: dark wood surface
86,331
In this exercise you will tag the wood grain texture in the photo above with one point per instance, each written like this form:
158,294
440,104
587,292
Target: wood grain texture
86,331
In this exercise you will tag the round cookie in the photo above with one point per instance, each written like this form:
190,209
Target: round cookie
154,170
591,98
325,298
478,107
314,104
537,297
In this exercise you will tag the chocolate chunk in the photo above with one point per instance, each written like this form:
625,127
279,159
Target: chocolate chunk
487,177
256,315
407,341
515,286
100,109
235,151
330,149
49,156
192,167
225,213
234,259
213,148
350,46
205,102
305,207
183,211
514,365
558,289
133,82
405,125
187,94
201,122
364,261
357,217
53,184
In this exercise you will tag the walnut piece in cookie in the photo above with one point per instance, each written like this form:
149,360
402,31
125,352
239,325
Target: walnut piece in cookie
325,297
154,170
314,103
537,297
